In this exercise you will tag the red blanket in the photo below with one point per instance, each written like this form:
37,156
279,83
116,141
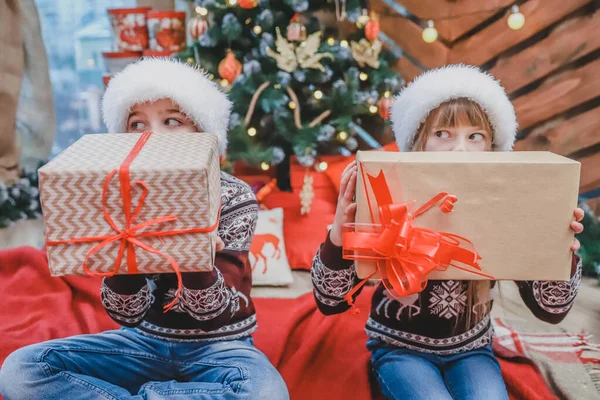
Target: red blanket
319,357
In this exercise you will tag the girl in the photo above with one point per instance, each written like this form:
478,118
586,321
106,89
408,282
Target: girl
201,348
437,344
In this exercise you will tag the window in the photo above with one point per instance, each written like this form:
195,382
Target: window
75,32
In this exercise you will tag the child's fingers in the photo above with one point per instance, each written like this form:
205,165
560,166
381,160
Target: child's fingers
351,211
344,183
220,244
576,245
349,192
579,213
348,169
577,227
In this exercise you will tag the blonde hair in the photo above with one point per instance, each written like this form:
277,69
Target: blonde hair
451,114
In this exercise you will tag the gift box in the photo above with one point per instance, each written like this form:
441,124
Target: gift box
167,30
463,215
129,28
116,61
132,203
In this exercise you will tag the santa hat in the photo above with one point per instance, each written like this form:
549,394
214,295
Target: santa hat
153,79
432,88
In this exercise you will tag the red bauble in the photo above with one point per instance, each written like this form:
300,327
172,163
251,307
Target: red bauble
230,68
385,107
197,26
248,3
372,28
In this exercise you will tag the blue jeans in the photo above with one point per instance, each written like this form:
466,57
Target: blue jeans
411,375
124,364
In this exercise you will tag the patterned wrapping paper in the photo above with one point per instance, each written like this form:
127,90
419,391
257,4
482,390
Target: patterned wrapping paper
181,172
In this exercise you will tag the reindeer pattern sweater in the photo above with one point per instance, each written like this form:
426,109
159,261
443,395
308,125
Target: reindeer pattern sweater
213,305
433,321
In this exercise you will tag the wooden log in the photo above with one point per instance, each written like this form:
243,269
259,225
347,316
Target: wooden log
452,28
498,37
590,173
561,47
564,136
558,94
407,35
407,69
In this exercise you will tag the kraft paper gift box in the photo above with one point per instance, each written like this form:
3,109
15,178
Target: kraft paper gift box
515,207
181,176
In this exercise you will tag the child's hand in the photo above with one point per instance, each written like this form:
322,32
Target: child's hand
577,227
220,244
346,208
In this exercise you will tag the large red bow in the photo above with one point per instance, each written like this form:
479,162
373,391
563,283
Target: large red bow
129,236
404,253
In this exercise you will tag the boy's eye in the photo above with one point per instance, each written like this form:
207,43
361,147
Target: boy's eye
173,122
442,134
477,137
137,126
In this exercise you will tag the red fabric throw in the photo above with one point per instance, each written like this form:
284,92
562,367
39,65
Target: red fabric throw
319,357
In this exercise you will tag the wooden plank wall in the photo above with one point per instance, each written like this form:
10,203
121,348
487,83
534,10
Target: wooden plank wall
550,68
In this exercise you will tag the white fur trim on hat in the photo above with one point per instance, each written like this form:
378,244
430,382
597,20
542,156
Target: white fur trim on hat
432,88
153,79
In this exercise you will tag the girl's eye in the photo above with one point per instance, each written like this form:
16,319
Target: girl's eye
477,137
442,134
173,122
137,126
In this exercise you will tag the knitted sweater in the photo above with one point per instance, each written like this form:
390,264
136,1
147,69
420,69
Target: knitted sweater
435,320
213,305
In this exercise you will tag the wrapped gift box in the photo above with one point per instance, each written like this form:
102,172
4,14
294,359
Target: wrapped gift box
515,207
182,177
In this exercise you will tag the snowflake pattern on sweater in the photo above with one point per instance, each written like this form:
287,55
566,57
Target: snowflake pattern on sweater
434,320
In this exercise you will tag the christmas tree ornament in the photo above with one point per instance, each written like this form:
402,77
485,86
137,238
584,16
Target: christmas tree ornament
385,107
351,144
306,194
248,4
278,155
197,26
203,11
366,53
372,28
296,31
289,56
265,166
230,68
430,34
363,19
340,10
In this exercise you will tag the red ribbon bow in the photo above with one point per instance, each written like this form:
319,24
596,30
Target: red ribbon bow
129,237
405,254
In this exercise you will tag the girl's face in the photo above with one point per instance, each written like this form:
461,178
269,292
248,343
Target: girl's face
161,116
456,125
458,138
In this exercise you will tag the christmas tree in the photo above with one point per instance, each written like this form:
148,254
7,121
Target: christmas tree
299,87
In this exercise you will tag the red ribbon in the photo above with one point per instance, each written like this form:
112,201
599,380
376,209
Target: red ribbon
405,254
129,237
